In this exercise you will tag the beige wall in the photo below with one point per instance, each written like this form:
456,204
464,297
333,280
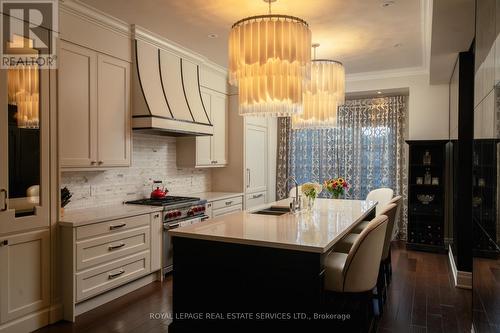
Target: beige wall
428,110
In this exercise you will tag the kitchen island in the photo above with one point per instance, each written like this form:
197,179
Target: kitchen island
244,268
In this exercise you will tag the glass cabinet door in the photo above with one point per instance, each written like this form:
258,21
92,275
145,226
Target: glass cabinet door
24,146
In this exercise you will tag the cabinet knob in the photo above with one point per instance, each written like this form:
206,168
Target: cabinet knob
100,162
5,242
93,162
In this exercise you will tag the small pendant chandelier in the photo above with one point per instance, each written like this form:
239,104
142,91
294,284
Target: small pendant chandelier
269,60
323,94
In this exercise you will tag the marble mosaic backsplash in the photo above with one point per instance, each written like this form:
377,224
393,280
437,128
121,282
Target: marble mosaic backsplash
153,158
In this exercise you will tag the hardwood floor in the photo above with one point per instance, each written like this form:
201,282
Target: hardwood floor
486,308
421,298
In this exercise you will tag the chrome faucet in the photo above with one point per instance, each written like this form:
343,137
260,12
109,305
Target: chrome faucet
295,205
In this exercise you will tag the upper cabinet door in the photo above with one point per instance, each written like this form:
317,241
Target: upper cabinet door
219,121
77,93
256,158
113,116
24,148
203,143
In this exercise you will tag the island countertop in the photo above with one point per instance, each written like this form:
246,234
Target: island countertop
310,231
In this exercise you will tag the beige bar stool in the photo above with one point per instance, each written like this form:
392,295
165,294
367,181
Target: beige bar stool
386,254
347,242
383,196
356,272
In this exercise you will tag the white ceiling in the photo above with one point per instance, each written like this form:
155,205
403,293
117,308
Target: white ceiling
360,33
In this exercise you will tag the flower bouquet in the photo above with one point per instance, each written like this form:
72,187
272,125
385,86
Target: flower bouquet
311,191
336,186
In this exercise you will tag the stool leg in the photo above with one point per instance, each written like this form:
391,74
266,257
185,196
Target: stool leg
378,293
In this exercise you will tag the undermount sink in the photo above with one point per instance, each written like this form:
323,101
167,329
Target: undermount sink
276,211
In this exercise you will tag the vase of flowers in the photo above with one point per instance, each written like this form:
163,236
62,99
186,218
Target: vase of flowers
336,186
311,192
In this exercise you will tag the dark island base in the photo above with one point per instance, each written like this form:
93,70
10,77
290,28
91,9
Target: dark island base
224,287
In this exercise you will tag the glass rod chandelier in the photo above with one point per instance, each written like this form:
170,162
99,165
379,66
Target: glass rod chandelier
323,94
269,60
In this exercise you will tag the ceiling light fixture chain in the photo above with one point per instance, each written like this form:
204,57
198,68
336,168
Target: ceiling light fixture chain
315,46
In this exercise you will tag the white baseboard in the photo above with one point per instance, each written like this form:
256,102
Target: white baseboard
28,323
56,313
462,279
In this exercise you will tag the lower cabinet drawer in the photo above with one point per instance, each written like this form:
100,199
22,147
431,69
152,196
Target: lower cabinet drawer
102,278
228,210
95,251
111,227
255,199
218,204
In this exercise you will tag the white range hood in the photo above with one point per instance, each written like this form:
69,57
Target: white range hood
166,96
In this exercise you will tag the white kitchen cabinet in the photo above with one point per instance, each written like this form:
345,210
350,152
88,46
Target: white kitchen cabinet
24,277
224,206
77,105
255,199
113,111
94,110
207,151
156,241
256,158
104,260
252,157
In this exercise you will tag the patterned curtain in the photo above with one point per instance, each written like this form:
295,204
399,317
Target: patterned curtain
366,147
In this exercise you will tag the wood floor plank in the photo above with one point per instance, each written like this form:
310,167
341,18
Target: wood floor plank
421,299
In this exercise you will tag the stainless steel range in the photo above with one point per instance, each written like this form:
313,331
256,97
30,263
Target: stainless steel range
177,212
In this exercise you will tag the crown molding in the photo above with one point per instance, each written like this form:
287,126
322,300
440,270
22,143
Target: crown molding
95,16
159,41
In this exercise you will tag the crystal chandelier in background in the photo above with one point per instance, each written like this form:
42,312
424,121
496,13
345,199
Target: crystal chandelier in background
323,94
269,60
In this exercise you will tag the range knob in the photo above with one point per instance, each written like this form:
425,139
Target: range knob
170,215
178,213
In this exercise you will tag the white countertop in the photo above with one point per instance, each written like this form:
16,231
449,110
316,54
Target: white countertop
79,217
213,196
316,231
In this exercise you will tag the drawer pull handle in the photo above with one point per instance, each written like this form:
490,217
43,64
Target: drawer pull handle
256,196
115,275
118,226
114,247
228,203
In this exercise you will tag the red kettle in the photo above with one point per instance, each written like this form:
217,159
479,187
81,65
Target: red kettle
159,193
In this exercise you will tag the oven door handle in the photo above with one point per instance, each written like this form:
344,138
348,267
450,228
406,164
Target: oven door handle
171,226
